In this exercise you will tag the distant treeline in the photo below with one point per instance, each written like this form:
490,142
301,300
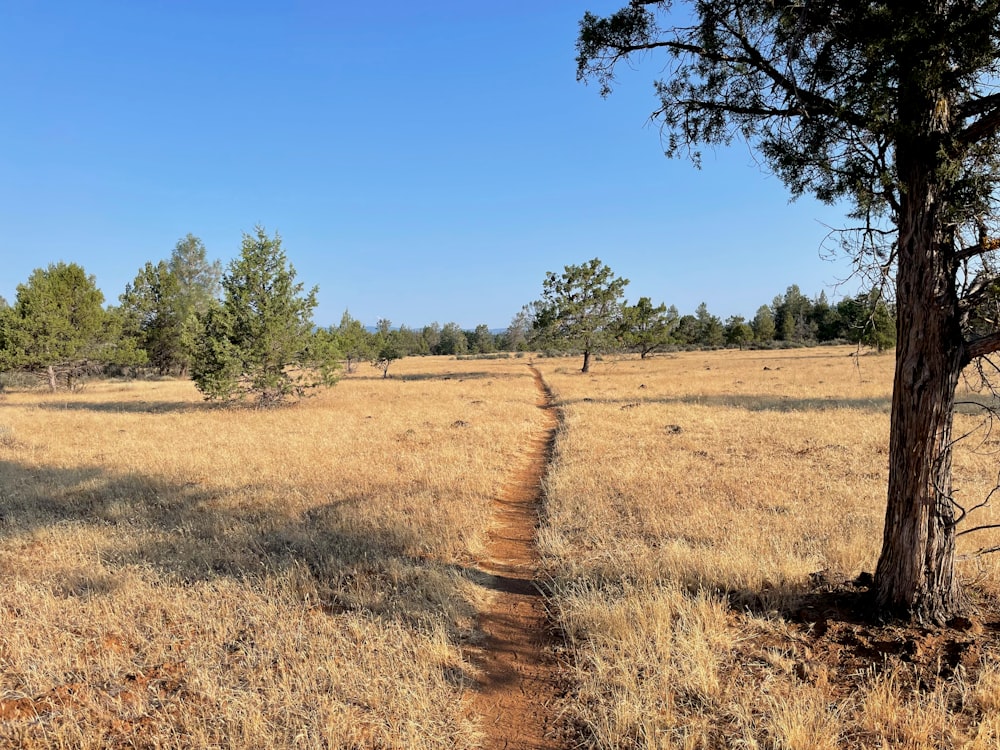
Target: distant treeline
58,327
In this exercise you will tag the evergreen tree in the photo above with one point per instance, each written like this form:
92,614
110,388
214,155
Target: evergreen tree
891,106
645,328
483,341
738,331
387,348
868,320
431,335
58,326
519,332
763,325
453,340
353,341
580,308
710,329
259,342
152,316
163,306
198,287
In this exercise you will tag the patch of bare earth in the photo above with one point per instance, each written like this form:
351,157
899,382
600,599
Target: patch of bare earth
517,689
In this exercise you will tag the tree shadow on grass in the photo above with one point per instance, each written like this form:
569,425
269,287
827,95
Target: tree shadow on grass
755,403
130,407
458,376
331,556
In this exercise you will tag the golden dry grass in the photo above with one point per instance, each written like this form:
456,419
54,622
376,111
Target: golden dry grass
701,510
179,576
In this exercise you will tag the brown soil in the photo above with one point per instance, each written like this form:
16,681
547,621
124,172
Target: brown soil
517,690
832,637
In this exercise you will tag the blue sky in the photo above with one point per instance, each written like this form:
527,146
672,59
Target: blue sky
422,161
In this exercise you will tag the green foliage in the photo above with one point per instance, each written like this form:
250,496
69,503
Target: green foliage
151,318
710,329
387,346
355,343
738,331
517,337
580,309
867,320
482,340
163,306
453,341
763,325
793,317
687,331
259,342
645,328
58,325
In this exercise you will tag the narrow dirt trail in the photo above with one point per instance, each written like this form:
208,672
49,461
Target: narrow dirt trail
516,694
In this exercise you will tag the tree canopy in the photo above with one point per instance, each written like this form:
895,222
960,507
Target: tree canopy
580,308
892,107
260,341
58,325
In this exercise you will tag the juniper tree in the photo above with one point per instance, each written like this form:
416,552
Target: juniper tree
58,326
259,342
893,107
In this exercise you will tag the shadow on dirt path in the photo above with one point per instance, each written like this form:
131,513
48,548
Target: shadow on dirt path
516,692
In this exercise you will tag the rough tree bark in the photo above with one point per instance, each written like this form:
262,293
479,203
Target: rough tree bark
915,577
915,574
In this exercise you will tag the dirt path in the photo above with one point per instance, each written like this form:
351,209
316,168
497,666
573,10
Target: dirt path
517,691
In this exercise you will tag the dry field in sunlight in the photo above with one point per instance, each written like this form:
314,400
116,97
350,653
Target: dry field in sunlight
178,575
709,516
182,576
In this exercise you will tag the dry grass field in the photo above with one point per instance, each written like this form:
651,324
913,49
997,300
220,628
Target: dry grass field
708,517
182,576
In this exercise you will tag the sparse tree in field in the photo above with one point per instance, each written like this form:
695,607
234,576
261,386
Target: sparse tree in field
259,341
645,328
354,342
580,308
387,347
57,326
893,107
738,331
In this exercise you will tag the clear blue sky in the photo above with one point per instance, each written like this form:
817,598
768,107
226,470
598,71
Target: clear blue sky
421,161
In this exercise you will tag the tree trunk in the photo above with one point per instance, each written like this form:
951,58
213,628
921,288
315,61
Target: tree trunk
53,385
586,361
915,577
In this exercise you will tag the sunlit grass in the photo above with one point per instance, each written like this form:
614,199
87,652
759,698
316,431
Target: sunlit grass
694,501
178,575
